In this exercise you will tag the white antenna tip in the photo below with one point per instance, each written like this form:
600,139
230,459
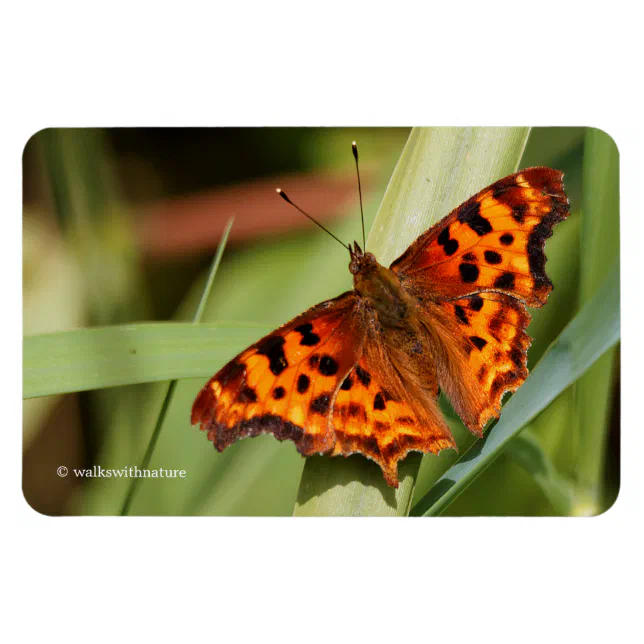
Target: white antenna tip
353,143
278,190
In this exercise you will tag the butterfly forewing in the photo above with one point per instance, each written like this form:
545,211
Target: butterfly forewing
494,242
285,383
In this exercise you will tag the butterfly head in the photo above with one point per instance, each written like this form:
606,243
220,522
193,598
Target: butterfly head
361,262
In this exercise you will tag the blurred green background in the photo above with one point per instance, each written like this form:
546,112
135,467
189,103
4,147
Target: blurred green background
121,225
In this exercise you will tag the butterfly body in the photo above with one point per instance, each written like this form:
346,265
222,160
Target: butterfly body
362,372
380,289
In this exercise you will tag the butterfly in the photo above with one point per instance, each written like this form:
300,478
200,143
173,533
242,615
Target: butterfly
361,373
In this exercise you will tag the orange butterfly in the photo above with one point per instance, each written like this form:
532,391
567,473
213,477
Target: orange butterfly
362,372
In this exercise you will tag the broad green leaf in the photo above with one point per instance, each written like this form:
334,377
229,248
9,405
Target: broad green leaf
438,169
84,359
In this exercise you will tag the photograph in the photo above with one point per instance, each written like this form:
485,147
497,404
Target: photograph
321,322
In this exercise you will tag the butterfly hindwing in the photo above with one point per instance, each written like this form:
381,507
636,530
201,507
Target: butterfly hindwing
494,242
285,383
492,331
382,415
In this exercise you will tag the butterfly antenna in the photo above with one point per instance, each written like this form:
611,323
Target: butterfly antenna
354,147
282,194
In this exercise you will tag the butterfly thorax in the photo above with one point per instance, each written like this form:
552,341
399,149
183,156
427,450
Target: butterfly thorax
381,289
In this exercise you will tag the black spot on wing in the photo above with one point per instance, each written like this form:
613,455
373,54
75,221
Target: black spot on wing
320,405
492,257
469,272
309,339
470,214
279,393
460,314
506,239
476,302
247,395
379,402
450,246
328,366
505,280
479,343
303,382
273,348
347,383
518,212
231,372
501,189
363,376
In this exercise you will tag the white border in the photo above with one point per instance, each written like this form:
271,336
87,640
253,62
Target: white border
493,63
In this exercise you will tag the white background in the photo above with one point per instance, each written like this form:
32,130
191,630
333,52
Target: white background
331,63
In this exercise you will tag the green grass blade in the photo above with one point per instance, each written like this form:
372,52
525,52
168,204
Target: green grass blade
599,248
438,169
213,272
593,331
526,450
95,358
145,462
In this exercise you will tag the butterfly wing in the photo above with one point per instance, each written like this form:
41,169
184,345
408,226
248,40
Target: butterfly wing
493,359
492,242
331,380
473,274
386,406
285,384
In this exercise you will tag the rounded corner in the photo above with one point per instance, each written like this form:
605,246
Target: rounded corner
603,132
610,505
33,507
30,141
